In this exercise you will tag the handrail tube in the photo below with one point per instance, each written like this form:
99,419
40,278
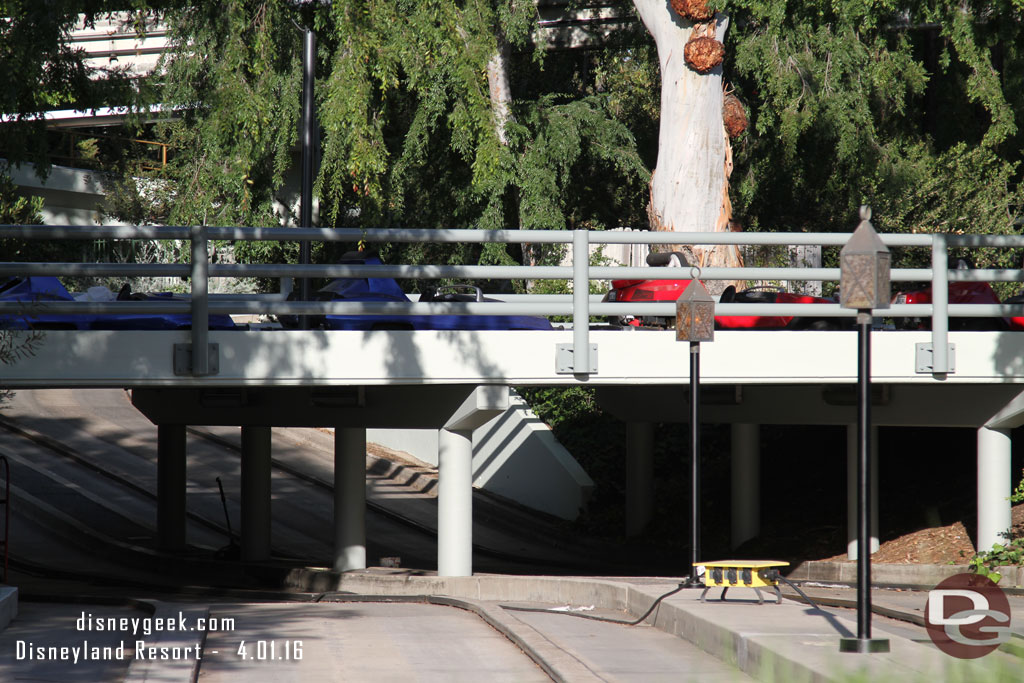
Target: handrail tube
267,270
468,235
985,275
984,240
96,269
200,310
479,236
666,309
940,301
580,302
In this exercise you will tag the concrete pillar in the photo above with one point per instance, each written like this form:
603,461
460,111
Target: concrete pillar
170,486
349,499
255,493
455,503
639,476
746,483
851,490
995,484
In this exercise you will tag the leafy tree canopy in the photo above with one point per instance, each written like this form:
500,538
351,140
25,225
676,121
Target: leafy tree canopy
409,133
914,107
44,72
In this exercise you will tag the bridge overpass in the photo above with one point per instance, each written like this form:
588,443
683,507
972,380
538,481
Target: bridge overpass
455,380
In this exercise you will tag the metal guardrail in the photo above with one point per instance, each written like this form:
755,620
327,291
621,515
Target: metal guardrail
579,305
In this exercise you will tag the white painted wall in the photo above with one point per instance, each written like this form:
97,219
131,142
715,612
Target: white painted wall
515,456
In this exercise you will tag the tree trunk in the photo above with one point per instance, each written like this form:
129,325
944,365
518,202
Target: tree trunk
689,189
501,92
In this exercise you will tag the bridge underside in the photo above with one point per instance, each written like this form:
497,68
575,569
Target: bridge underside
426,379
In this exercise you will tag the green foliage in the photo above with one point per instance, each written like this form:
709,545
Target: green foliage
16,209
1018,493
234,75
911,107
408,129
1010,554
1002,554
43,72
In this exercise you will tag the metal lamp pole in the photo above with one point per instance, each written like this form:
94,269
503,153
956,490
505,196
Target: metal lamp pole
695,322
864,285
308,136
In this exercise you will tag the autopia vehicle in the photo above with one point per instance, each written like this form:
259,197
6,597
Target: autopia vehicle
648,291
959,293
386,289
47,288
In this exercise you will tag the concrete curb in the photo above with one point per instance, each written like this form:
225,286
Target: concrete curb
786,642
8,605
924,576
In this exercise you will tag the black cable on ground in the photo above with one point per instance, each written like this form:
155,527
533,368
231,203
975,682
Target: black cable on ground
774,574
593,617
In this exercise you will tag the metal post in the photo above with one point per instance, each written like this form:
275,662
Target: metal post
639,476
350,499
255,493
994,486
863,642
940,310
864,475
455,503
694,461
580,302
308,140
851,491
200,301
170,486
746,483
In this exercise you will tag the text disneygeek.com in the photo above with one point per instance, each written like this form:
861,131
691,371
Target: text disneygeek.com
134,648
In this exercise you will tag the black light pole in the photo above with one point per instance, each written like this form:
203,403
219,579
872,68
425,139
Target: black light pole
695,322
694,461
308,140
864,285
308,137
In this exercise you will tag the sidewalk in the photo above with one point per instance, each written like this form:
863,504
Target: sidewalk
789,642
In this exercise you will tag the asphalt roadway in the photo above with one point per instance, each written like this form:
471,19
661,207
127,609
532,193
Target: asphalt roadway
398,628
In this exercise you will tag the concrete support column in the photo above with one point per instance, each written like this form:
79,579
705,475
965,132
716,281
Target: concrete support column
851,490
455,503
639,476
746,483
255,493
995,484
349,499
170,486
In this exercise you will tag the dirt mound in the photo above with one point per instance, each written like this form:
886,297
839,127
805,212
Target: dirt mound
939,545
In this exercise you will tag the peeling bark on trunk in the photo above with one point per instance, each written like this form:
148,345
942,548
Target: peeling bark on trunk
689,189
498,84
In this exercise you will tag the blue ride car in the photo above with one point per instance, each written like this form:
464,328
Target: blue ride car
387,290
47,288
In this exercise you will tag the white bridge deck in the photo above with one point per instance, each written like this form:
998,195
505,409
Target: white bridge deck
749,376
283,358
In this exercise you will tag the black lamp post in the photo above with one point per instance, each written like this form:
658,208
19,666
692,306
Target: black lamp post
309,139
695,322
864,285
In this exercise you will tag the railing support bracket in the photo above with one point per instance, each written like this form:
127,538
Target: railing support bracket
564,360
924,353
183,360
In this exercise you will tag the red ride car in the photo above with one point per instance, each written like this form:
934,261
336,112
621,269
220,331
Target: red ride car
669,290
959,293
